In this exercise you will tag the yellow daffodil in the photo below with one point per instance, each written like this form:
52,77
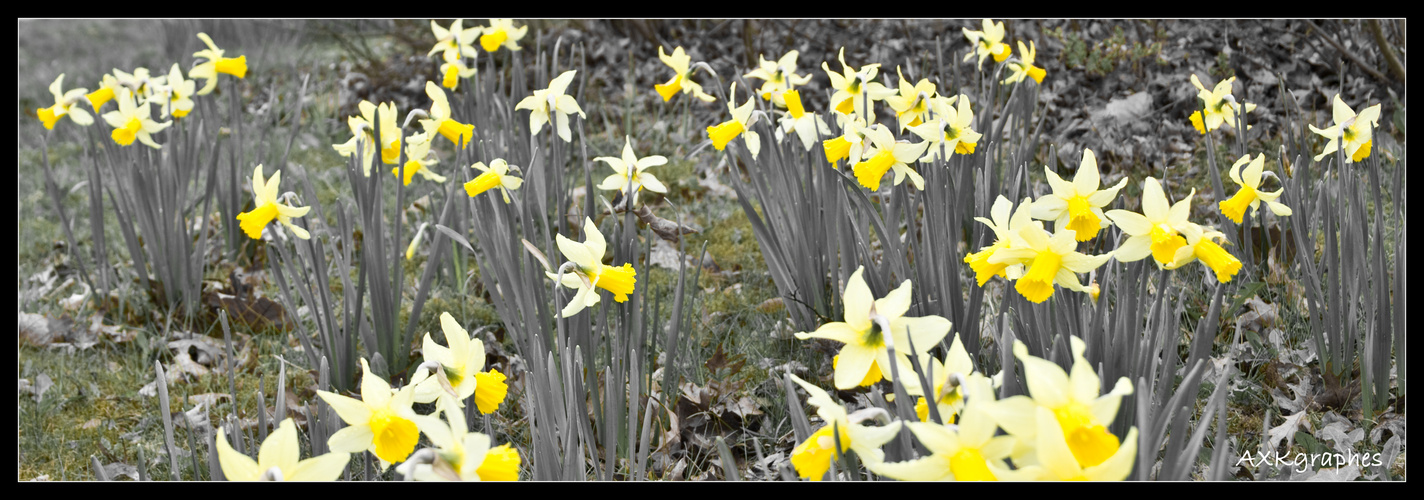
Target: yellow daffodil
806,125
175,93
456,39
1250,194
1355,131
988,42
812,457
552,101
953,381
279,459
363,135
1064,420
740,124
1023,66
440,120
380,421
460,362
1078,205
1157,230
912,103
132,121
681,63
866,352
1202,246
137,82
778,76
215,63
1221,106
1004,227
461,455
589,271
108,86
64,105
453,69
501,32
418,159
852,87
850,144
267,208
968,451
1048,260
887,154
630,172
950,131
495,175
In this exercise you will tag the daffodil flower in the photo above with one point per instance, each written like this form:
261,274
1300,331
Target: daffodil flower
1023,66
137,82
741,122
968,451
888,154
418,159
953,381
681,63
1250,194
1064,420
778,76
453,69
501,32
1353,130
630,172
267,208
988,42
1078,205
589,271
850,144
363,132
866,352
461,362
495,175
108,86
440,120
552,101
912,103
852,87
279,459
132,121
177,93
1005,228
807,126
380,421
1049,260
1221,106
1202,246
812,457
215,64
456,39
1157,230
460,455
950,131
64,105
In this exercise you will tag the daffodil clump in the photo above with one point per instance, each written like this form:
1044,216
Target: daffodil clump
587,271
1350,132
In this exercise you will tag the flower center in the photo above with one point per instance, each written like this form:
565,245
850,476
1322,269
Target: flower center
395,437
125,135
482,183
723,133
1165,242
969,465
233,66
253,222
1090,442
870,171
1037,284
1218,259
491,41
619,280
1083,220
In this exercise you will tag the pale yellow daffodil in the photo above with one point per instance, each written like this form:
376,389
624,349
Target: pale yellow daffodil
1157,230
681,64
912,103
812,457
779,75
1250,194
461,455
989,41
380,422
1077,205
1355,131
463,365
495,175
174,93
1022,67
887,154
132,121
502,33
967,451
1004,228
589,271
441,121
1049,260
952,382
418,160
1202,246
852,87
552,104
215,63
64,105
279,459
266,208
1221,106
850,145
866,353
630,172
108,87
742,120
456,39
949,131
363,135
806,125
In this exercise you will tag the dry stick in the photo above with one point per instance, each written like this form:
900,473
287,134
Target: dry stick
1389,57
1348,55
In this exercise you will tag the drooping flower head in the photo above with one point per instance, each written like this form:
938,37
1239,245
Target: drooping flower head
1049,260
460,362
551,104
266,208
988,42
461,455
1022,66
132,121
1005,228
589,271
279,459
949,131
1354,131
740,124
64,105
850,145
1221,106
418,159
1078,205
1202,246
808,126
681,64
215,63
888,154
363,135
495,175
1250,194
779,75
441,121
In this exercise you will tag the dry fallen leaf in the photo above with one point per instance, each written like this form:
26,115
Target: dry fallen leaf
34,330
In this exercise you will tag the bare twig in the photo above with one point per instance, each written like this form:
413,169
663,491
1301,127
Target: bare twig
1394,65
1348,55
